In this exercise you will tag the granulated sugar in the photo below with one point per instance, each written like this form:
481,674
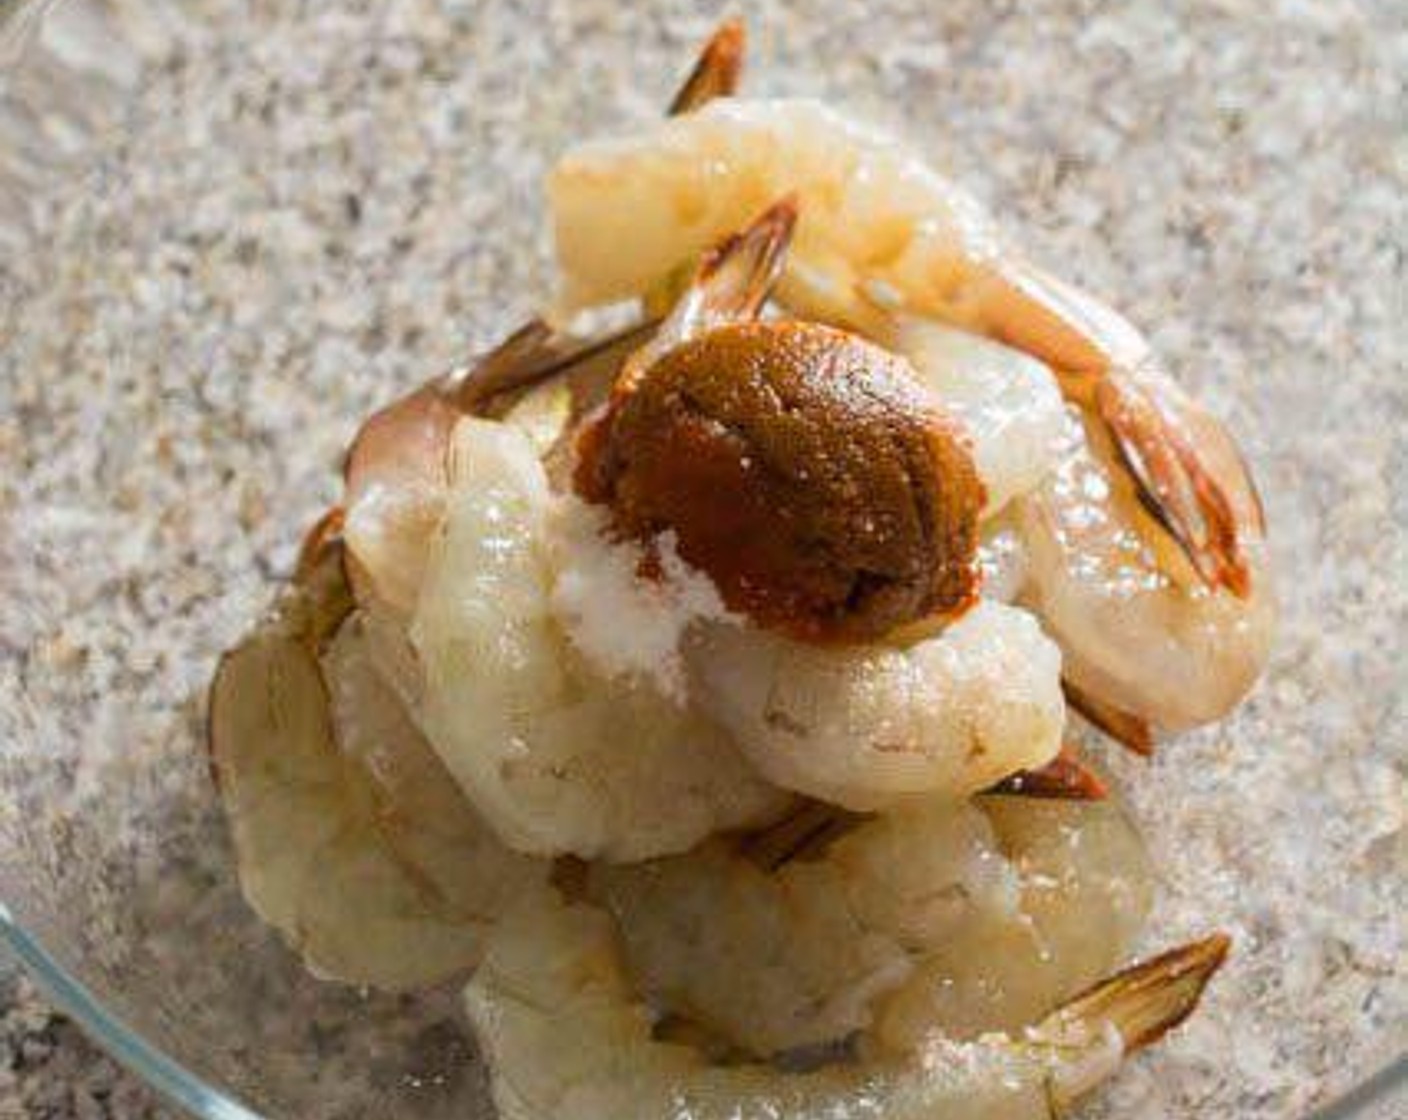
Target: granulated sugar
623,625
311,207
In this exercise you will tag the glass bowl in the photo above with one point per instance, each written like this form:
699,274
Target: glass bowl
228,228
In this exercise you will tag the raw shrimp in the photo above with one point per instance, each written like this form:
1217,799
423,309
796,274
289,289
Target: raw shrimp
1086,886
395,470
422,815
1008,402
876,219
930,916
329,805
1147,644
865,726
565,1039
559,758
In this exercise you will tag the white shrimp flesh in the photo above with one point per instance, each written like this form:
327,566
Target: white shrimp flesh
559,758
566,1039
969,918
328,807
865,726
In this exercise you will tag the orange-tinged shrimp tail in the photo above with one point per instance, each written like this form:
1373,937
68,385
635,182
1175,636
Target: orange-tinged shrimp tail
737,275
324,536
1065,778
532,354
1142,1003
730,285
1184,465
1174,482
1126,729
1148,999
717,71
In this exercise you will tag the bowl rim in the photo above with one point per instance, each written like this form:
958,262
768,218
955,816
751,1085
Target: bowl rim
114,1036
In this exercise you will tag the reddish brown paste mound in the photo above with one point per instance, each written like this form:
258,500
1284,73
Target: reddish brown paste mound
804,469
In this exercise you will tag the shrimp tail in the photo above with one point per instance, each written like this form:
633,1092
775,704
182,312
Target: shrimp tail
532,354
1104,365
730,285
536,352
737,275
1066,777
1142,1003
521,359
1174,485
324,536
717,71
1126,729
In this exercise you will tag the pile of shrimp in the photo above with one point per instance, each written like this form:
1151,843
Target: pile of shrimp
692,865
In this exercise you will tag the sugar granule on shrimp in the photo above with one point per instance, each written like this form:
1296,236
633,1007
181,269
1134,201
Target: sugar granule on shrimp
626,608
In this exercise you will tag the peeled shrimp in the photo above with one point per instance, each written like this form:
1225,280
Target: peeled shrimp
864,726
331,806
1008,402
1146,643
776,959
969,918
565,1039
395,470
422,816
558,758
876,219
1086,886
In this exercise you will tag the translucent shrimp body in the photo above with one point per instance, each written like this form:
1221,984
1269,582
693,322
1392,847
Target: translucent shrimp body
565,1039
330,792
878,225
1086,885
1141,633
1008,402
775,959
924,918
559,759
865,726
869,209
421,814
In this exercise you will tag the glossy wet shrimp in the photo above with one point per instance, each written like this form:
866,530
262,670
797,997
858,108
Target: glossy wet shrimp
935,916
447,698
559,758
868,726
876,221
566,1039
349,839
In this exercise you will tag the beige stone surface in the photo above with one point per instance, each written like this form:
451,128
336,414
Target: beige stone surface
320,204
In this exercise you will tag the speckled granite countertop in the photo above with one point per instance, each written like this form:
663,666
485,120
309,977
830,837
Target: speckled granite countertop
50,1071
1235,174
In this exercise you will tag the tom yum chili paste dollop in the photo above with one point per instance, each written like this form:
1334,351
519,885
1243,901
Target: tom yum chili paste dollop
804,469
